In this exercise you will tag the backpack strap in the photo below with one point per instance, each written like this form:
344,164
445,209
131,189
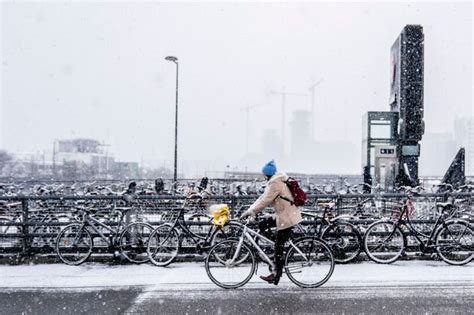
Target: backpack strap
287,199
283,197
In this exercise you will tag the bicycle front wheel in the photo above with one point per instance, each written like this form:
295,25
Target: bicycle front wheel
163,245
228,266
74,244
134,240
230,230
455,243
384,242
309,263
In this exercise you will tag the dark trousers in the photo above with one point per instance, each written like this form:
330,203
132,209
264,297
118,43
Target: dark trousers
282,236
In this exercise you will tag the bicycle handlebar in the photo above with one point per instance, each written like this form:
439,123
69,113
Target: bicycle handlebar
445,185
245,221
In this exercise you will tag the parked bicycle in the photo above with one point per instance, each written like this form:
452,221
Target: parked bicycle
75,242
166,240
452,239
342,237
231,263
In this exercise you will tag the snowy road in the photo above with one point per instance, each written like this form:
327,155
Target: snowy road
405,287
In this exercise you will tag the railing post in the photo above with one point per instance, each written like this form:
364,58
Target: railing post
232,207
446,196
338,204
25,228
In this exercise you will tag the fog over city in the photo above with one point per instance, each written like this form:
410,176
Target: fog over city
97,70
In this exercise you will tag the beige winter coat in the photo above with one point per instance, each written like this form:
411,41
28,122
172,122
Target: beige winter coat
287,214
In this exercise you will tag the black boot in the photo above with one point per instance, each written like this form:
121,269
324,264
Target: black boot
276,279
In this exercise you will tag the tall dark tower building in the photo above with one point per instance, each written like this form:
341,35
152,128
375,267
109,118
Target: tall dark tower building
272,147
300,132
406,98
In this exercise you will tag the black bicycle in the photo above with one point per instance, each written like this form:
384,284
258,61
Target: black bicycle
166,241
342,237
75,242
452,239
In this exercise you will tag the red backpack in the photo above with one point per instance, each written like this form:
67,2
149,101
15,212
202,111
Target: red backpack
299,196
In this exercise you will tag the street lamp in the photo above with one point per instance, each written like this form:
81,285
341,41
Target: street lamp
175,175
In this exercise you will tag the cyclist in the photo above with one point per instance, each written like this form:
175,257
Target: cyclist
286,215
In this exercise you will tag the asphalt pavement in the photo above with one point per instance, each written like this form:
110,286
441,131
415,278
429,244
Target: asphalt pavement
366,288
420,299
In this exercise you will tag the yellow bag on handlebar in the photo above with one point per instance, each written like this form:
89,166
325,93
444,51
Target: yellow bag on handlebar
220,214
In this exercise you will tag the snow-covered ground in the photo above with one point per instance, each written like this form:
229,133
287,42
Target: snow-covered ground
193,275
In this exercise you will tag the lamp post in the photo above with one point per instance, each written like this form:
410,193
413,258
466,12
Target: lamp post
175,175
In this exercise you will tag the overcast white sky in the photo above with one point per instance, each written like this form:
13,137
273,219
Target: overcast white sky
88,69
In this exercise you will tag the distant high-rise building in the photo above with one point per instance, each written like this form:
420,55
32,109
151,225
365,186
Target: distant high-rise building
272,147
302,147
300,132
464,137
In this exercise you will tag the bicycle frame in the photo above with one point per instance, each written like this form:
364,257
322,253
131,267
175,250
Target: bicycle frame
188,233
247,234
321,222
407,223
86,222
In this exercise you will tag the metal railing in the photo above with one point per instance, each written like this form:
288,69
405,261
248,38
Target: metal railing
29,224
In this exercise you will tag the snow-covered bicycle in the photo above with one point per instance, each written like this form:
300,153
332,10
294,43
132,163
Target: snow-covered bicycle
452,238
165,242
74,243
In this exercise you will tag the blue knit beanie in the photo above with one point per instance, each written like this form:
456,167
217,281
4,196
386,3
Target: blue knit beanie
270,168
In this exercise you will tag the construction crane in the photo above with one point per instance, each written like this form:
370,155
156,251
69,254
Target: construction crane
312,89
283,95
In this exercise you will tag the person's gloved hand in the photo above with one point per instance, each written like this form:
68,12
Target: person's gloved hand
245,214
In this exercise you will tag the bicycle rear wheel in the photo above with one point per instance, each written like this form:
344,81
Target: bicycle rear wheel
163,245
309,263
74,244
227,268
344,240
134,240
384,242
455,243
